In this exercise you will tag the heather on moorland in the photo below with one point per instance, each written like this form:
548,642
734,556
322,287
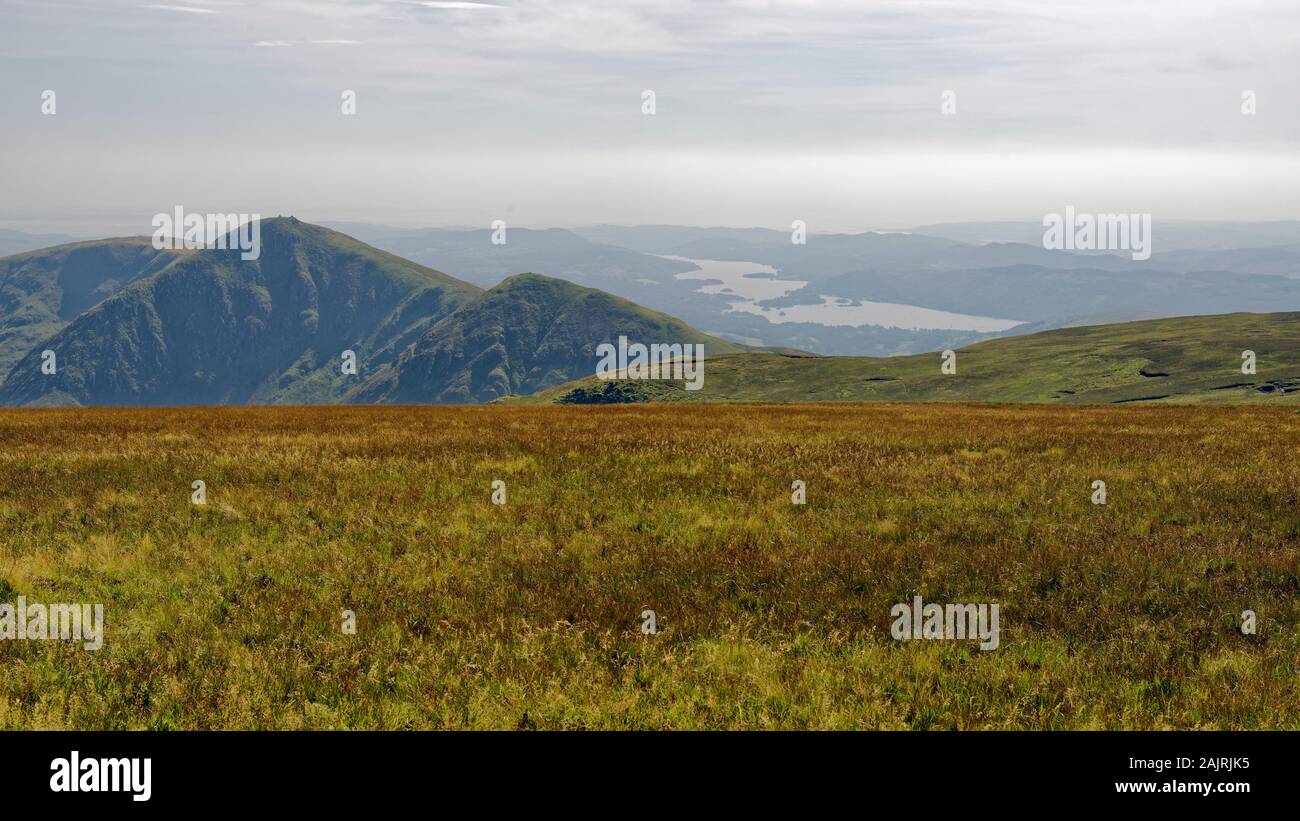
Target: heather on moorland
768,614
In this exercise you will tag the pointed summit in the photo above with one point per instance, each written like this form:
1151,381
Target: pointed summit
208,327
528,333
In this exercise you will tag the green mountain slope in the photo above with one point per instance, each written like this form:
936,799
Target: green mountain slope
1185,359
524,335
42,291
210,328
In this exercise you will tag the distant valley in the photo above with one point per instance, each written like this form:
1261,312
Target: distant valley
446,316
996,278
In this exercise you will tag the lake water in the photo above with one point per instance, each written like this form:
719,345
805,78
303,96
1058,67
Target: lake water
747,292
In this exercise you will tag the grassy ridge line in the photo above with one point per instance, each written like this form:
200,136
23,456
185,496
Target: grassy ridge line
770,615
1192,359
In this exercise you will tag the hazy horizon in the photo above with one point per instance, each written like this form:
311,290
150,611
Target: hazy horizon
127,223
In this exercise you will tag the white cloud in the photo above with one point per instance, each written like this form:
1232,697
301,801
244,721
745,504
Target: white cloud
189,9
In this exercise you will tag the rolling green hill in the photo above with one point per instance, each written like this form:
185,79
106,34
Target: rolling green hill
211,328
1185,359
526,334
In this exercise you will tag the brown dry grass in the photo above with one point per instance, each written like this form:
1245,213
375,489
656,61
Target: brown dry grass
770,615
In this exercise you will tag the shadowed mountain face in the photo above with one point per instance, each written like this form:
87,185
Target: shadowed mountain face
42,291
211,328
526,334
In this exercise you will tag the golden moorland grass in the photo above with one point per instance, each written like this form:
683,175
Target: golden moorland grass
228,615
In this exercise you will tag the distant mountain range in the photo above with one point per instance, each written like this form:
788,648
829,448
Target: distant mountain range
1180,234
998,270
1044,293
15,242
131,325
974,280
473,257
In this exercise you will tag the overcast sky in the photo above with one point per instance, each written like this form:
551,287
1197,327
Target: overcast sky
531,111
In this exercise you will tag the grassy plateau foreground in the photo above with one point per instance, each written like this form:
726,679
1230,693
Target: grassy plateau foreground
769,615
